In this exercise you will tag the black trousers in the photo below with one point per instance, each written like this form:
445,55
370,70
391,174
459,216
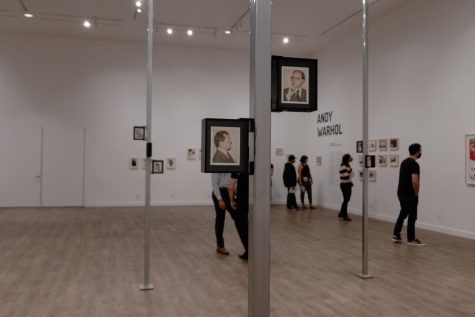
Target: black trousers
239,217
291,199
408,208
346,190
308,189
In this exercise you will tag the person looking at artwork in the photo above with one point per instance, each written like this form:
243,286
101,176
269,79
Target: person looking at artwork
346,174
408,195
222,141
304,179
238,189
290,181
296,92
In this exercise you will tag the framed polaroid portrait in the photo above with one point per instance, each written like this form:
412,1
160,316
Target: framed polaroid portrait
157,166
191,153
470,159
225,145
393,160
383,145
294,84
383,160
170,163
393,144
371,145
139,133
133,163
359,146
372,175
279,151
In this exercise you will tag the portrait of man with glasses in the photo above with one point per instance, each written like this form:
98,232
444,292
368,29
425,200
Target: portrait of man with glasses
297,87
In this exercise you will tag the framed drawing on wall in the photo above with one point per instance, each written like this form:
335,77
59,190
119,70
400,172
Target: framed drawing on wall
157,166
382,160
359,146
383,145
470,159
393,144
371,145
294,84
139,133
394,160
225,145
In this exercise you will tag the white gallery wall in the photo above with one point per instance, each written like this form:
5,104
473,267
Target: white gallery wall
68,86
422,72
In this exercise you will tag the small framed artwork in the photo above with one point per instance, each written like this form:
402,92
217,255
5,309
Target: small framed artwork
191,154
171,163
139,133
470,159
372,175
394,160
360,160
360,174
372,145
134,163
383,145
359,146
319,161
383,160
394,144
157,166
294,84
279,151
370,161
225,145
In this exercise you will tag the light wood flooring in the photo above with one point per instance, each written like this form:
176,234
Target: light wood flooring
89,262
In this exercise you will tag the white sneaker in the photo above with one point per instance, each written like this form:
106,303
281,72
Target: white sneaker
416,242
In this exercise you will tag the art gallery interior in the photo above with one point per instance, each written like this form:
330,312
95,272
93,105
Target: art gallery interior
71,204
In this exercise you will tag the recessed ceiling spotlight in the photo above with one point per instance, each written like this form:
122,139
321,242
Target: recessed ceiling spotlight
227,32
28,15
169,31
138,4
86,24
285,40
189,32
139,10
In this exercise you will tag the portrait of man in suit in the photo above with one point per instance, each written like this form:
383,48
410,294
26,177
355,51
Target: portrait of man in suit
298,90
222,141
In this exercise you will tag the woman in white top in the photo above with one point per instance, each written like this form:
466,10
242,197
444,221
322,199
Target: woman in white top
346,174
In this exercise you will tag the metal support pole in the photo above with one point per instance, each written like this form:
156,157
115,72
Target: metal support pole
147,285
364,273
260,110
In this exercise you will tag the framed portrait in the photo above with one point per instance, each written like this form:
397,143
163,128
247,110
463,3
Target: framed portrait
470,159
157,166
139,133
191,153
372,175
383,145
225,145
133,163
371,145
360,160
294,84
359,146
383,160
393,160
170,163
279,151
394,144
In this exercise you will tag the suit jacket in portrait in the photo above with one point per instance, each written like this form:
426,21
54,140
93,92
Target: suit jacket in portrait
294,97
220,157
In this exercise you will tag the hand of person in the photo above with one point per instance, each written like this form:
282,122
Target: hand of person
233,204
222,204
290,92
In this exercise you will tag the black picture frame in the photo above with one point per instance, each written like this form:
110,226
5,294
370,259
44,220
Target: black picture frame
237,156
139,133
283,71
157,166
359,146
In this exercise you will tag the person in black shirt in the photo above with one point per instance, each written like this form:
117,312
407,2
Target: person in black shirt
290,181
238,189
408,195
304,178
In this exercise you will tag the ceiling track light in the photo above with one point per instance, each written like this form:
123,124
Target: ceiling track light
227,32
170,31
139,10
138,4
285,40
28,15
189,32
87,24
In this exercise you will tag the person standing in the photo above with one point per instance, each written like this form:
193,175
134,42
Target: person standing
408,195
238,189
346,174
304,178
290,181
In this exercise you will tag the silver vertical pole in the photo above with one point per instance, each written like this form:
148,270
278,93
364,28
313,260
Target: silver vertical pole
42,156
364,273
259,224
84,169
147,285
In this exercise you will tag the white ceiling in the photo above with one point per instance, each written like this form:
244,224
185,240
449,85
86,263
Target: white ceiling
309,24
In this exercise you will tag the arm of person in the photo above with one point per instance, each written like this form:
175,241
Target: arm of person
299,174
415,183
216,192
232,191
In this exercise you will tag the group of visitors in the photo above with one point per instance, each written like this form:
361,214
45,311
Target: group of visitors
302,178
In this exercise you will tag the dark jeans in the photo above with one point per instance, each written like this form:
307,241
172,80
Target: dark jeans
408,208
346,190
239,217
308,189
291,199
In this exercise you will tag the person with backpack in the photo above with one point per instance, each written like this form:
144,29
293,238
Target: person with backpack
290,181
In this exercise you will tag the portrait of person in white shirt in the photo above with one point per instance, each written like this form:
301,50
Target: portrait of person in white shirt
298,90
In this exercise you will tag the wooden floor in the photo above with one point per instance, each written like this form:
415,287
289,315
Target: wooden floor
89,262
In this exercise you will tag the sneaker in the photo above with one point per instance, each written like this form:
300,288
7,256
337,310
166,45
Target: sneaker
243,256
346,218
312,207
397,239
416,242
222,250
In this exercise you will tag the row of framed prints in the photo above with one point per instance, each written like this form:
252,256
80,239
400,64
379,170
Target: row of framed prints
371,174
382,160
157,165
381,145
